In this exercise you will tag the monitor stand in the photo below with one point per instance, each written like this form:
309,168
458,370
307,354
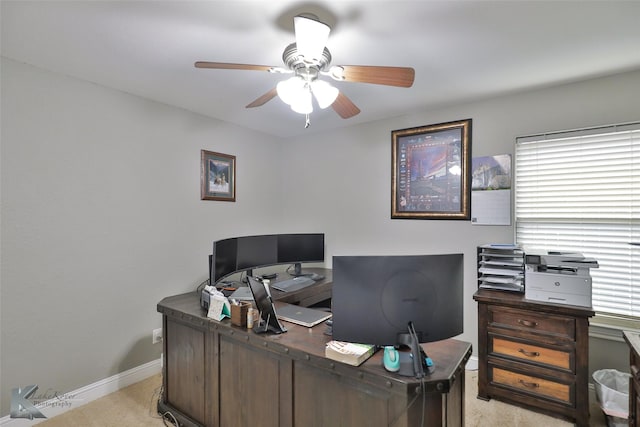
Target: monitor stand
415,362
248,273
270,324
297,271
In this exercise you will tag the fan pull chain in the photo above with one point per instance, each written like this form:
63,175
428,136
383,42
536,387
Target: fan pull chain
307,122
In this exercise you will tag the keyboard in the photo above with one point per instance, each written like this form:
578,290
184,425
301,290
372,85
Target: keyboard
293,284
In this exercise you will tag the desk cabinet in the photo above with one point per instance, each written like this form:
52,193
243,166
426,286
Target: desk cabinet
217,374
534,354
633,340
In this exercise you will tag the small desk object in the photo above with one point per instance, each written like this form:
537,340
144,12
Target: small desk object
219,374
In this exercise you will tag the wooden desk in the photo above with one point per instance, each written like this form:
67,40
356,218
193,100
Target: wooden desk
320,291
217,374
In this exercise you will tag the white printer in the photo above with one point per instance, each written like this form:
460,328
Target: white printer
558,277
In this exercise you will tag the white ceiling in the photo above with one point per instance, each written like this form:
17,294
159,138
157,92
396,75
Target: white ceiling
461,50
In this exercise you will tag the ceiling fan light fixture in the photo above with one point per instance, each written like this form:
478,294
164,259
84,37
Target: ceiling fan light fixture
288,90
311,37
296,93
308,58
302,104
324,93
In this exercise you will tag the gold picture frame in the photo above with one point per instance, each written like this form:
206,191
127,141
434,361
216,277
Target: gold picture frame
431,176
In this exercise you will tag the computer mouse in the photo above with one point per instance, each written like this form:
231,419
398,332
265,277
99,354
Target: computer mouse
391,359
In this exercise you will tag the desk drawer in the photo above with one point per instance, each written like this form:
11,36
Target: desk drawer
531,321
530,384
531,353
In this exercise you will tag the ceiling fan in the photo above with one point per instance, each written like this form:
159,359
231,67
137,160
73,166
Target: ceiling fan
308,59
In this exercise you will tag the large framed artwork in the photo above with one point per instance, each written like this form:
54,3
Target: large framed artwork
217,176
431,171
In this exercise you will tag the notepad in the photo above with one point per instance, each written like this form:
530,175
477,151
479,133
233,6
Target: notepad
301,315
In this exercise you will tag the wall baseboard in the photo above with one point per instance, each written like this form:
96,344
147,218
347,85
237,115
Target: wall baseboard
86,394
472,364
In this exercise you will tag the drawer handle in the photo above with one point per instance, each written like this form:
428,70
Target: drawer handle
529,353
528,384
528,323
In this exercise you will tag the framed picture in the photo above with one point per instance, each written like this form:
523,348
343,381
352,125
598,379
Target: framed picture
431,171
217,176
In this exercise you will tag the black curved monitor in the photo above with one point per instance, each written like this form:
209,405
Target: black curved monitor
375,298
248,252
256,251
223,261
298,248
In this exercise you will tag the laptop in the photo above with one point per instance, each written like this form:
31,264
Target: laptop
301,315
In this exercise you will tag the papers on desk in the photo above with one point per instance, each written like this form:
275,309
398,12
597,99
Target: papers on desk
219,307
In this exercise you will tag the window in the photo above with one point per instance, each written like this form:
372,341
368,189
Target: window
580,191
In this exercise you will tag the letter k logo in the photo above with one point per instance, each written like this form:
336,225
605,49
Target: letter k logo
21,407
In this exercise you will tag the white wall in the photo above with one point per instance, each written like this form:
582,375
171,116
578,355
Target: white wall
102,218
101,214
347,175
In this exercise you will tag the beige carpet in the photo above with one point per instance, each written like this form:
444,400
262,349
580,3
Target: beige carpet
134,406
131,406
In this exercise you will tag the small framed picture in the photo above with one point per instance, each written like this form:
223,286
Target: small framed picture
430,171
217,176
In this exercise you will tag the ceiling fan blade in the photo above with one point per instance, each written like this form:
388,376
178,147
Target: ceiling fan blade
389,76
230,66
344,106
263,99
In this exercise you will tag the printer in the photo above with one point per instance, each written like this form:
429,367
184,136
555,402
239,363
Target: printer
558,277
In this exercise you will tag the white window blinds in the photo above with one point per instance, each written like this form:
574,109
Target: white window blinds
580,191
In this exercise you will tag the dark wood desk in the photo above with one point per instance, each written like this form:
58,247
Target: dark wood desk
319,292
217,374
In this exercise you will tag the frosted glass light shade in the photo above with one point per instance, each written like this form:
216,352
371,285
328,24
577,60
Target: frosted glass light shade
296,93
302,104
324,93
289,90
311,37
